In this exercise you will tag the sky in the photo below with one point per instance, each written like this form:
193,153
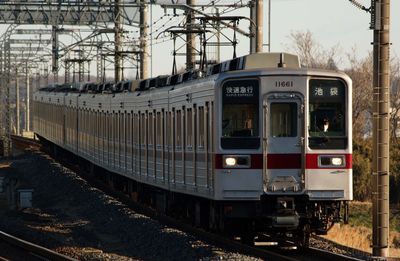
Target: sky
331,22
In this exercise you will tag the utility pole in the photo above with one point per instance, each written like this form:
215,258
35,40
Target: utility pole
144,47
256,13
380,23
118,42
190,38
381,81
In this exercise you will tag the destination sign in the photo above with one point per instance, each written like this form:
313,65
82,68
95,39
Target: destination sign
240,89
326,89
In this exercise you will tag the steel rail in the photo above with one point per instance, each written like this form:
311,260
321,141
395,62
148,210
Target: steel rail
23,142
33,248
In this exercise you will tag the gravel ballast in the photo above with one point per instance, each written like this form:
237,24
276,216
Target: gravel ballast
73,218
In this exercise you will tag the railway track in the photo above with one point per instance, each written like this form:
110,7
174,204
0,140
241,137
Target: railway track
263,251
21,143
13,248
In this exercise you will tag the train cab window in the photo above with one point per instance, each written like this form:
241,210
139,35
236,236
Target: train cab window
240,114
327,114
283,120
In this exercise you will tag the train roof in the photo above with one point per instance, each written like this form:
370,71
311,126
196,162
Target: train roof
252,62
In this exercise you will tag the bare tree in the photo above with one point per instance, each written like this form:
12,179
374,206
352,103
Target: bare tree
394,98
311,53
360,72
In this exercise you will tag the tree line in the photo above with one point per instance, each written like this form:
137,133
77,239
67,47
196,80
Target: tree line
360,70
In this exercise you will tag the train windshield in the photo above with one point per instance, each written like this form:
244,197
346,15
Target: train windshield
240,118
327,115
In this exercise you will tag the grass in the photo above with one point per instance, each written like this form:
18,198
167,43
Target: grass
361,215
358,233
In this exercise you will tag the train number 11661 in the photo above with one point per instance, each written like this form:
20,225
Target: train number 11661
284,84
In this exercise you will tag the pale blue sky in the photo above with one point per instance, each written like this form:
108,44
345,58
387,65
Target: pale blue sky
330,21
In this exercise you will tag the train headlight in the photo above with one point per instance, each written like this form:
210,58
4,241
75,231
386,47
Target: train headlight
236,161
337,161
331,161
230,161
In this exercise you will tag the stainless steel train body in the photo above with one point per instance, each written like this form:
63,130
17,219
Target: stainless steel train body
260,140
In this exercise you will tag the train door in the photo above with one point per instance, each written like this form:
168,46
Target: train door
283,142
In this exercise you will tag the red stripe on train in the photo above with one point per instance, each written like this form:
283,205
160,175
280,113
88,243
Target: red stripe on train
285,161
312,161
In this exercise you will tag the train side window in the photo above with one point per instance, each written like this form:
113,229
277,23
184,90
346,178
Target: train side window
151,129
201,131
178,119
118,129
159,130
128,127
136,128
143,129
169,129
115,128
123,128
210,122
189,129
103,125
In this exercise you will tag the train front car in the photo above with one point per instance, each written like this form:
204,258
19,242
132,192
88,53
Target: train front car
284,138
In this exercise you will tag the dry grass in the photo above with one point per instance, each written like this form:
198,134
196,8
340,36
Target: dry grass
4,165
359,236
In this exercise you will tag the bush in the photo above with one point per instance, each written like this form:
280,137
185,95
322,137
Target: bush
362,170
394,173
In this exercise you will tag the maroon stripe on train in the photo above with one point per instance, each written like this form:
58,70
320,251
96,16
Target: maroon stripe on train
284,161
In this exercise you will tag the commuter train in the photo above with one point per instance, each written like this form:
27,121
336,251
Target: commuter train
256,144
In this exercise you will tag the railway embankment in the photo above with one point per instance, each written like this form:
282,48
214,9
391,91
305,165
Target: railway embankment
75,219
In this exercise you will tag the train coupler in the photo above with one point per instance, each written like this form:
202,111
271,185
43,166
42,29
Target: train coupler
285,215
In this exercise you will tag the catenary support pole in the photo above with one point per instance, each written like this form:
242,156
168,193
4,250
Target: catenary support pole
28,103
190,38
118,42
256,15
18,121
381,91
259,27
144,31
54,41
269,25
